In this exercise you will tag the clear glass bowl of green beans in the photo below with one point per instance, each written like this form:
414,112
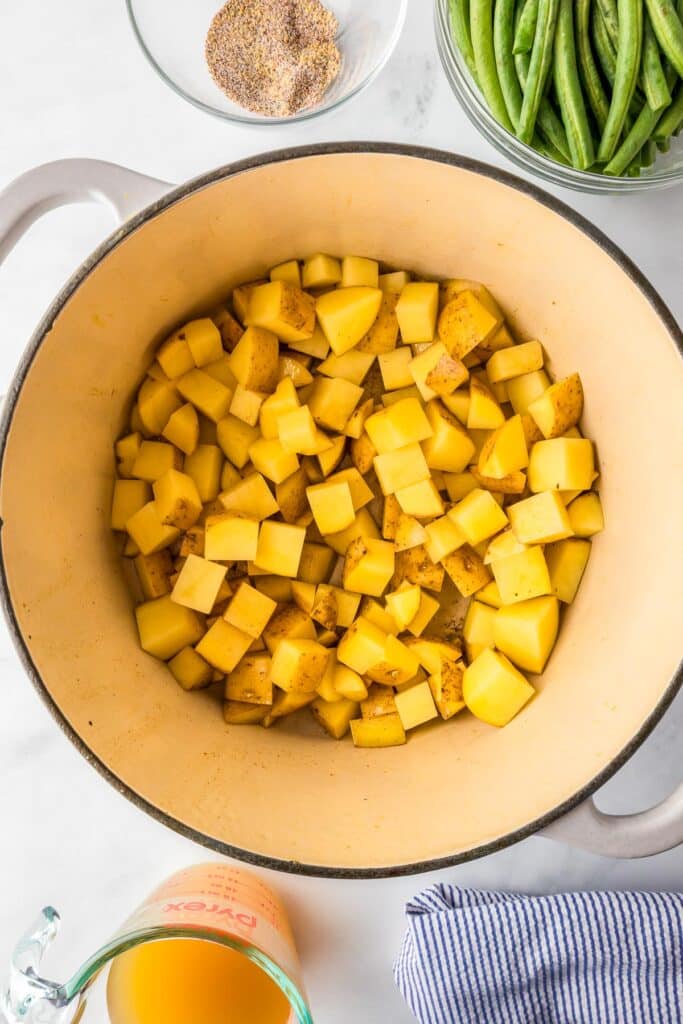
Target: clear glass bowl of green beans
583,93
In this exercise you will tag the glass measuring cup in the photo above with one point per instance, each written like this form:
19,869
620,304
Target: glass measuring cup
216,903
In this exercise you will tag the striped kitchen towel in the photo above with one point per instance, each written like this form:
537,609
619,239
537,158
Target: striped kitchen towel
577,958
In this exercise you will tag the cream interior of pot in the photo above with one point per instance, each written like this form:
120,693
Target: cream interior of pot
290,792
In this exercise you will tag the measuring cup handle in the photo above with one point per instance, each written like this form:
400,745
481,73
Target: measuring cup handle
55,184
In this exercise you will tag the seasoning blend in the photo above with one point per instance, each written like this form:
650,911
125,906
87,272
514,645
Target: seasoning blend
273,57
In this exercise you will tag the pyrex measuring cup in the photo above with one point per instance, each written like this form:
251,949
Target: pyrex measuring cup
216,903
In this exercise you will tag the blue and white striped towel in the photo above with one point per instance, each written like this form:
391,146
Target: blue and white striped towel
578,958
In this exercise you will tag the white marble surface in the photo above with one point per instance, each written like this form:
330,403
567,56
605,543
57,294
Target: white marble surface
73,83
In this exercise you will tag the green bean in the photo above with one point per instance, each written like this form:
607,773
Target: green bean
609,13
628,65
481,27
663,145
603,46
648,154
651,70
539,67
568,89
460,27
525,28
503,30
642,130
668,29
547,122
590,76
671,120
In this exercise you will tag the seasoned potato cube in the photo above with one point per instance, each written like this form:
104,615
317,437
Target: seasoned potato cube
352,366
204,466
157,401
208,395
203,339
198,584
467,570
415,566
357,270
325,612
477,630
395,368
355,424
241,297
288,622
329,459
362,646
494,690
403,604
363,526
177,499
361,494
235,439
362,452
383,334
559,408
459,404
294,368
380,701
298,433
317,346
450,448
513,483
182,428
191,671
347,314
391,513
153,572
291,496
174,356
421,499
436,372
316,563
231,331
562,464
526,632
331,505
427,609
223,646
417,310
465,322
348,683
246,405
321,271
504,544
446,687
250,611
279,547
526,388
249,682
128,498
540,519
270,458
386,731
401,468
483,411
284,400
250,497
505,451
192,542
332,401
326,689
454,286
288,272
147,530
229,537
523,576
394,282
585,515
531,432
165,628
334,716
567,560
283,309
415,706
346,602
153,459
299,665
443,537
399,425
478,516
432,653
303,595
286,704
512,362
368,566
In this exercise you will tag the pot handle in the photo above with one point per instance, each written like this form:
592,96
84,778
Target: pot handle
43,188
622,835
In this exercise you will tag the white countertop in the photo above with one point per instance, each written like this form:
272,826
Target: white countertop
73,83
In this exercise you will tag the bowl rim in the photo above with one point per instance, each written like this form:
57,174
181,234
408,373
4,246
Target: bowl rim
259,121
177,194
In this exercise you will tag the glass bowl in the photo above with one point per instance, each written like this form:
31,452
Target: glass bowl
172,38
665,172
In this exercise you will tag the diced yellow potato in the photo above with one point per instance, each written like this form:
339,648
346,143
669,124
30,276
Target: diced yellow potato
231,331
477,630
299,665
282,401
332,401
380,701
317,346
165,628
436,372
362,646
359,271
332,455
316,563
450,448
540,519
383,334
198,584
443,537
505,451
127,449
239,713
426,611
490,595
349,684
417,310
250,611
394,282
368,566
182,428
526,388
459,404
504,544
494,690
585,515
230,537
512,362
559,408
567,560
446,687
361,494
321,271
415,706
452,287
157,401
531,432
282,308
290,494
241,297
526,632
385,731
288,622
458,485
288,271
467,570
522,576
421,499
174,356
391,513
362,452
355,425
208,433
332,506
432,653
254,360
128,498
326,689
400,468
395,368
209,396
399,425
297,433
135,423
153,459
249,682
204,466
347,314
335,716
325,612
223,646
153,572
409,533
513,483
478,516
277,588
403,604
294,368
147,530
191,671
177,499
270,458
250,497
483,411
279,548
286,704
561,464
465,322
246,405
374,612
415,566
236,438
347,603
352,366
303,595
201,338
363,526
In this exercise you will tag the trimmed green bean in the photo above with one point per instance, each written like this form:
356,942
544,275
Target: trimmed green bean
668,29
503,32
642,130
648,154
628,66
481,28
671,120
539,67
609,13
663,145
547,122
568,89
460,27
651,69
525,28
603,46
590,76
